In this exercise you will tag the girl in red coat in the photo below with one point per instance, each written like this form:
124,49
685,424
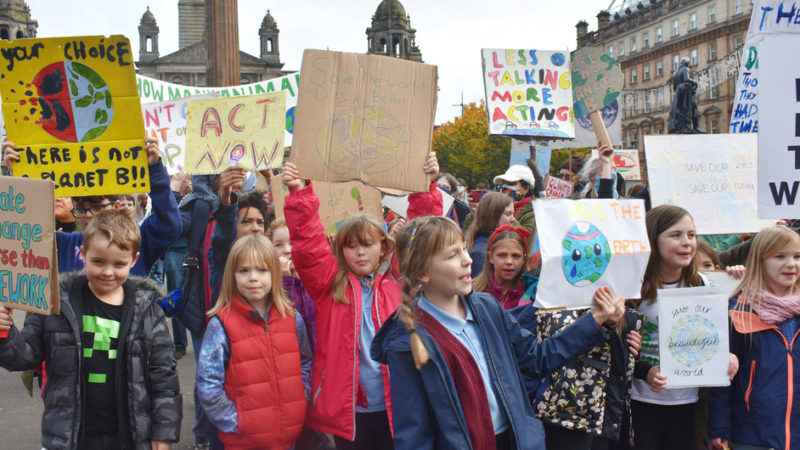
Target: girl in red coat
355,289
255,361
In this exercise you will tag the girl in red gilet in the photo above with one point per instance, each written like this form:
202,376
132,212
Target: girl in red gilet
255,363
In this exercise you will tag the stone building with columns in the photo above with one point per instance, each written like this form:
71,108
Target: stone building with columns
187,65
649,37
15,20
391,33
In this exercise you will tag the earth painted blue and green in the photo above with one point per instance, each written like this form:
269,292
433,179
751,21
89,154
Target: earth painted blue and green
585,254
74,101
693,340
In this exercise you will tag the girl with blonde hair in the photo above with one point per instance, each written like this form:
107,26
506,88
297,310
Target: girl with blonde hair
758,409
255,360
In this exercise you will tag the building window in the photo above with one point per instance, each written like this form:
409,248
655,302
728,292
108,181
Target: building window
676,59
647,106
659,36
633,44
646,72
737,6
622,49
611,51
659,68
693,57
633,76
712,51
634,139
675,30
646,39
693,21
737,41
712,14
713,126
660,99
713,92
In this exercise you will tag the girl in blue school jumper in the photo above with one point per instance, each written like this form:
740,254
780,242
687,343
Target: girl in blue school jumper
760,409
455,356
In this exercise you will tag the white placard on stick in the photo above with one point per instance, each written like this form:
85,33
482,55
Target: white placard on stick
586,244
693,336
713,176
555,187
779,128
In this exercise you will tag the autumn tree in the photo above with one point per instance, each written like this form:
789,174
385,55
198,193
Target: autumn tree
466,150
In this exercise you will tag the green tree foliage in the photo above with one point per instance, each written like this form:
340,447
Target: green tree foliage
466,150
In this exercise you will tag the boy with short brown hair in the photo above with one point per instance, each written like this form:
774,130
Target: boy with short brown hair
111,367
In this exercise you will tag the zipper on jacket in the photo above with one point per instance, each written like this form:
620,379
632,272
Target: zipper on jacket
750,385
356,321
319,388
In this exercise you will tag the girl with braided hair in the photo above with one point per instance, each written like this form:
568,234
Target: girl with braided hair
455,356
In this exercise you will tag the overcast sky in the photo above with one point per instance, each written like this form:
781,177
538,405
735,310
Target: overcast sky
450,33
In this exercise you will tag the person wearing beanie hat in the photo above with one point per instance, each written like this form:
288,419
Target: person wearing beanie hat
518,182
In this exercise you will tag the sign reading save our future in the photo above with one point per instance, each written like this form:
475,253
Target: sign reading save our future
71,107
28,263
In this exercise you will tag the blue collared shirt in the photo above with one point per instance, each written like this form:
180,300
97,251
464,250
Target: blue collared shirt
469,334
370,377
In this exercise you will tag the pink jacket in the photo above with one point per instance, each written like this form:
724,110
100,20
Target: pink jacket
334,377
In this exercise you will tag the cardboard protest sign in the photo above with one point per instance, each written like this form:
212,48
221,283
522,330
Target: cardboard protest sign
555,187
28,261
337,201
597,82
713,176
166,121
693,336
243,131
769,18
584,131
586,244
779,132
71,107
365,117
528,92
152,90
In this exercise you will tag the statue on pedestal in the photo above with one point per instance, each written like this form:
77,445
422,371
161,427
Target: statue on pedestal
683,114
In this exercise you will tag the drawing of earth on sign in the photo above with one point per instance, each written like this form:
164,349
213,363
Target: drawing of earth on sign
74,101
693,340
364,138
585,254
609,115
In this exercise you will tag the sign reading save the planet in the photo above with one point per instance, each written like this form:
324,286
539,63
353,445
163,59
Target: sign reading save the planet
72,109
586,244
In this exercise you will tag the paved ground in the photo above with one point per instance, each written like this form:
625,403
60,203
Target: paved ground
21,415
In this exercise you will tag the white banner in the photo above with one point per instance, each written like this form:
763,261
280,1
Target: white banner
166,121
779,136
713,176
693,336
152,90
769,17
586,244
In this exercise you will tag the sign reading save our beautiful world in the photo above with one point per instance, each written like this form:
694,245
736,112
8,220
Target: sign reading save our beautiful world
71,107
693,336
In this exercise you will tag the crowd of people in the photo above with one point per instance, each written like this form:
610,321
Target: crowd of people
408,333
